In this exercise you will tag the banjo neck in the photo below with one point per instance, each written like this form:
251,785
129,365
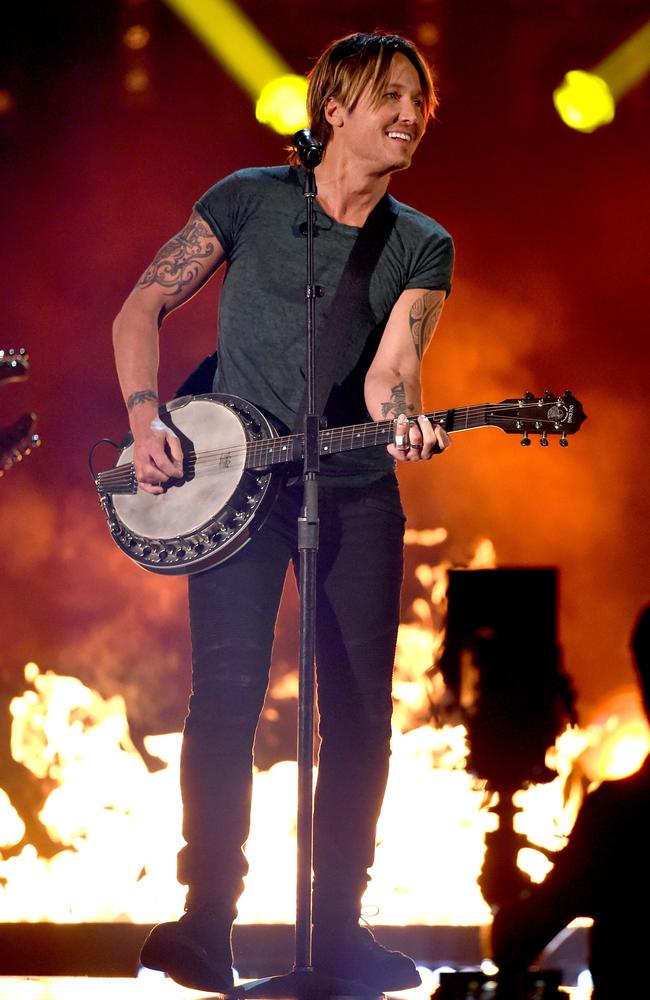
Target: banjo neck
333,440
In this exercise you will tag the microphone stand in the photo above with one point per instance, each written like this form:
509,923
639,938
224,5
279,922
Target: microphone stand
303,983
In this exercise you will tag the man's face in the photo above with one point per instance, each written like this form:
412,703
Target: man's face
384,134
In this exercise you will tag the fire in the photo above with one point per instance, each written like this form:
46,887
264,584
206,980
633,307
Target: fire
620,737
117,825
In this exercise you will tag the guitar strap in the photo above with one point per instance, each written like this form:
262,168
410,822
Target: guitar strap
351,295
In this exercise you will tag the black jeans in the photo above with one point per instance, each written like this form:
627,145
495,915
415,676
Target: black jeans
233,609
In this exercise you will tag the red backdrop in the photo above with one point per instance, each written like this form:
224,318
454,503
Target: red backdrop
549,227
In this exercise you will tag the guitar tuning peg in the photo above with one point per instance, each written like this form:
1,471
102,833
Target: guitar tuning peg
563,441
544,440
525,440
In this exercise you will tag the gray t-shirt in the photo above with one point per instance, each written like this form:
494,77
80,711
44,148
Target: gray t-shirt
259,217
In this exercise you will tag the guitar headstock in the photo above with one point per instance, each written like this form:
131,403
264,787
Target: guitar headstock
14,364
543,415
17,441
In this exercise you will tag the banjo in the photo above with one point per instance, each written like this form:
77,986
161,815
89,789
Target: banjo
231,455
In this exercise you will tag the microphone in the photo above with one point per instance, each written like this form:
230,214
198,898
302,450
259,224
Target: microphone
308,149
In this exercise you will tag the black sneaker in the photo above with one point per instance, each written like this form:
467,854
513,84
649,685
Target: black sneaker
350,951
194,951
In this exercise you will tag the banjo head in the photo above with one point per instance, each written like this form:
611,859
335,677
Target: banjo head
205,517
214,451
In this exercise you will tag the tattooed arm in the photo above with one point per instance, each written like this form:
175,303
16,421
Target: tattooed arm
179,269
393,387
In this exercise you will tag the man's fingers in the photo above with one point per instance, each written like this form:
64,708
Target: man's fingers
427,439
417,443
158,458
442,437
154,488
418,439
402,433
176,452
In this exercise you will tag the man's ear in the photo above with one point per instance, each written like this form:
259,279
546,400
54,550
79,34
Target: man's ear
334,112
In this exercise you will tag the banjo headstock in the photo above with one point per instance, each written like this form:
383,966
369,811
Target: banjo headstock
545,416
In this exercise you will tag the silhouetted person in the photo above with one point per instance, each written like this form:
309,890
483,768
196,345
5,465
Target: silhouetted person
603,873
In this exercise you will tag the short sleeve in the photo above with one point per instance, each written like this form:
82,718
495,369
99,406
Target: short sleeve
222,208
434,264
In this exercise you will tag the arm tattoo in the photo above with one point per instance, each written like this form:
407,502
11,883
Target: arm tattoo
177,263
423,318
141,397
398,403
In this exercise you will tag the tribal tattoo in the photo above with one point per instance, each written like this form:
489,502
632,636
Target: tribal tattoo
143,396
177,263
398,403
423,317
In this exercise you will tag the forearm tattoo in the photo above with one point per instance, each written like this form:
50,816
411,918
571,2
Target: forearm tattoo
398,403
178,262
141,397
423,317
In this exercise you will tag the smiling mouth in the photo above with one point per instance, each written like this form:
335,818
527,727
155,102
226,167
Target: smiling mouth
400,136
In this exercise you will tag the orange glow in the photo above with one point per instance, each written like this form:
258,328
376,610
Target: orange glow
619,737
427,33
136,80
7,102
627,751
136,37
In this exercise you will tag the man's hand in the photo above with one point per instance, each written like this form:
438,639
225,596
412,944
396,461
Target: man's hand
417,439
157,456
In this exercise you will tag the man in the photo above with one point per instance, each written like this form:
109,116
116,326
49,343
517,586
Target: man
602,873
370,97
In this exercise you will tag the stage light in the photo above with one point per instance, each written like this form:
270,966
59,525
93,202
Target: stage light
136,37
585,100
136,80
229,35
282,104
427,33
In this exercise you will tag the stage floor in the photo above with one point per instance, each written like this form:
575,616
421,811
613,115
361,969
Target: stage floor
145,988
92,988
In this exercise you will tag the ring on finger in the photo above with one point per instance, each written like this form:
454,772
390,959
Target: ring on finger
415,446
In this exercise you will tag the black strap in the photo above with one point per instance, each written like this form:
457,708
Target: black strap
351,294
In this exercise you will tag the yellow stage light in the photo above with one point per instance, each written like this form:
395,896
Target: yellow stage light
584,101
229,35
282,104
587,100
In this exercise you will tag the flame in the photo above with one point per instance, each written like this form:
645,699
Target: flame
12,828
117,825
619,736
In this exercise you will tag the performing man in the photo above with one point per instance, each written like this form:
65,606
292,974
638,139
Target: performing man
370,97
